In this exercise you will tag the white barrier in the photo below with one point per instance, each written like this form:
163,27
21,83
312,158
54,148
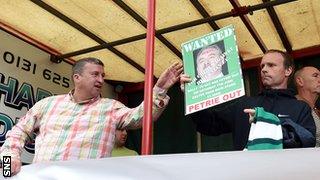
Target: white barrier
278,164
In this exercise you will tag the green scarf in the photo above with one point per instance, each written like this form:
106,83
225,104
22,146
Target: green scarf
265,132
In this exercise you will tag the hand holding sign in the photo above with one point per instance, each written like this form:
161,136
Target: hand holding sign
184,79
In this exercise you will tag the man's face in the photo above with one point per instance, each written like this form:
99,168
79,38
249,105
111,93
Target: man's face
209,63
310,79
121,137
90,81
274,75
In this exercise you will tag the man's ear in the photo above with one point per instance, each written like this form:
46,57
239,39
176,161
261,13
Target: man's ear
288,71
299,81
75,77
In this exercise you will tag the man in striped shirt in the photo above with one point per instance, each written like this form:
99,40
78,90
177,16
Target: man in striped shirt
81,124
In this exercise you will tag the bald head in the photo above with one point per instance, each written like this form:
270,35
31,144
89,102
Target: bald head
308,79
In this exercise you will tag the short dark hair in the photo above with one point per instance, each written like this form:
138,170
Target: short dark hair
78,65
287,59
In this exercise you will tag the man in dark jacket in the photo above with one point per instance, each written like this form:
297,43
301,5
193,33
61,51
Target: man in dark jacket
296,121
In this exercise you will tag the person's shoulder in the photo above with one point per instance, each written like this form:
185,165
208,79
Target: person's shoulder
134,152
301,102
52,98
108,100
295,104
59,96
45,99
130,151
40,104
123,151
115,103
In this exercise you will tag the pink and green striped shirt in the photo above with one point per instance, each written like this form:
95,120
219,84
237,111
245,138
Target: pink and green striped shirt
69,130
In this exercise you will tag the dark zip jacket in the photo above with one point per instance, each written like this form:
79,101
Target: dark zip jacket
297,124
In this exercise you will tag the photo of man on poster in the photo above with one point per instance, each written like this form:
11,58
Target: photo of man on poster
210,62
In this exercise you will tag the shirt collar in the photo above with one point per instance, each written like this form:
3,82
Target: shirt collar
88,101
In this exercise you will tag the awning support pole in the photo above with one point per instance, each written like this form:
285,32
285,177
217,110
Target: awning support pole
147,144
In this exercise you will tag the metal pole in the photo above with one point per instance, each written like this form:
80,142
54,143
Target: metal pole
146,148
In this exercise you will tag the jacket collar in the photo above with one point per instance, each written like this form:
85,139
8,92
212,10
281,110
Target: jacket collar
278,92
